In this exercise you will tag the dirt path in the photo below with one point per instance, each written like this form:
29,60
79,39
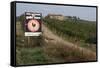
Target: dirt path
51,37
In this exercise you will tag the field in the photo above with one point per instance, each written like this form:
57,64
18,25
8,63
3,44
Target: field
61,41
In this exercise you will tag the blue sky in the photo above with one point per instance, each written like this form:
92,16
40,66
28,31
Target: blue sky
87,13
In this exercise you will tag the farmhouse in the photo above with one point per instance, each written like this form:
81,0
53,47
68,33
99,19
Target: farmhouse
55,16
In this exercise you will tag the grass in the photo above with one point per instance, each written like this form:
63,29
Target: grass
65,53
27,56
50,53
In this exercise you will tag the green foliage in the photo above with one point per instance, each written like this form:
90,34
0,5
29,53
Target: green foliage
91,40
21,18
27,56
78,29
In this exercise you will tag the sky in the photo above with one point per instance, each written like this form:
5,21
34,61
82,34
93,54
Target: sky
86,13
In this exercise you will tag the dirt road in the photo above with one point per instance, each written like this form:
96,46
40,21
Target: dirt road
51,37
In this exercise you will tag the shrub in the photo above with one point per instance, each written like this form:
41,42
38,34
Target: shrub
91,40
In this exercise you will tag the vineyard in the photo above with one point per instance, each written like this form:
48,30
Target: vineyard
80,31
54,46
